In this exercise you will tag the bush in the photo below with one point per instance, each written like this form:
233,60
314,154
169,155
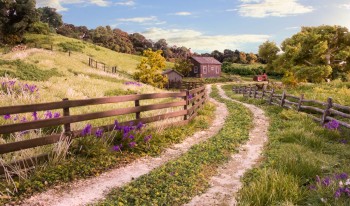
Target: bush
25,71
39,28
71,46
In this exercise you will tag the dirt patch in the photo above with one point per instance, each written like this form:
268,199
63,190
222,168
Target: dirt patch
225,185
91,190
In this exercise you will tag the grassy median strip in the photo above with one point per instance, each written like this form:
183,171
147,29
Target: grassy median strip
304,164
178,181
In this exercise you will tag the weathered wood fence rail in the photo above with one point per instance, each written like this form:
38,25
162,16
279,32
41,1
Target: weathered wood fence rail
190,101
326,111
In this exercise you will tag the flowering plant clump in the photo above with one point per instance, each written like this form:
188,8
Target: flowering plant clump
138,84
122,137
338,185
332,125
13,87
15,118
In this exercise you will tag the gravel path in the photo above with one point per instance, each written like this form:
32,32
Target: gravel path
226,184
91,190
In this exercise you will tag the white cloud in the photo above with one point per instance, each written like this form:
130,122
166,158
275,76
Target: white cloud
344,6
264,8
126,3
292,28
151,20
59,4
200,42
183,13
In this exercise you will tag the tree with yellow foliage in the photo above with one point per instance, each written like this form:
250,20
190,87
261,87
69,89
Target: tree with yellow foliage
150,68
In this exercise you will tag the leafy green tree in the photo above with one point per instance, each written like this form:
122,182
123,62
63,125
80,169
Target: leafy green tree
51,17
184,66
15,18
268,51
150,68
251,58
316,53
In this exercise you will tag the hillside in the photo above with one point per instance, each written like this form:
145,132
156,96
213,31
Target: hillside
62,71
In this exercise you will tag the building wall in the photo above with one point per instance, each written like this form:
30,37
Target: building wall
210,70
174,77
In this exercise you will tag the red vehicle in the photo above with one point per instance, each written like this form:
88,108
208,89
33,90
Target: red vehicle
260,78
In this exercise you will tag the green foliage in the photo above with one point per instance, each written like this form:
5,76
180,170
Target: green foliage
39,28
179,180
184,66
71,46
90,156
268,51
150,68
117,92
50,16
25,71
298,150
15,18
316,53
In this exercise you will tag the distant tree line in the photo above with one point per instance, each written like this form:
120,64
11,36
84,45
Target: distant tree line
312,55
20,16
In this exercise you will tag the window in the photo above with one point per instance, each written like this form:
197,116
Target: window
195,69
217,70
204,69
212,68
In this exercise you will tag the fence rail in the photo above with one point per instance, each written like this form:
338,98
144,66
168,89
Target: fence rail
326,111
190,101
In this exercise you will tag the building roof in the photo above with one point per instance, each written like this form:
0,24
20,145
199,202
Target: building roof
206,60
171,70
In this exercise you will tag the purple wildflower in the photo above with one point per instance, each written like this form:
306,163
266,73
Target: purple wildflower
332,125
318,179
343,141
190,96
117,126
86,130
24,119
48,114
342,176
338,193
35,115
139,126
56,115
7,116
132,144
117,148
147,138
99,133
347,191
30,88
132,137
312,187
133,83
326,181
16,118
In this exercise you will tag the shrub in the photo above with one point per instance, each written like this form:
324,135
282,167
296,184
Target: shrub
71,46
39,28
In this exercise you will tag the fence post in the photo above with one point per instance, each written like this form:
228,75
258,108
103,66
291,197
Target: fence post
326,110
263,93
104,67
271,96
68,53
300,102
89,62
186,105
66,113
51,47
137,104
250,91
283,98
254,92
96,64
244,90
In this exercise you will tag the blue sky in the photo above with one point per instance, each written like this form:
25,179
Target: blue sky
206,25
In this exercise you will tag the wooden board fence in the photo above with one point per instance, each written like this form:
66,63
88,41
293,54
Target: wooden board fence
191,101
317,110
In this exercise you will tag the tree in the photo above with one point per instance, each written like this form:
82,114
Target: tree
218,55
316,53
252,58
15,18
150,68
50,16
184,66
268,51
242,58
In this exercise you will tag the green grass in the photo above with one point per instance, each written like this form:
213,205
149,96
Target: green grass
179,180
90,156
298,151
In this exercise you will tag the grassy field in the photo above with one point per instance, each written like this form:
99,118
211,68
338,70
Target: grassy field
303,164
